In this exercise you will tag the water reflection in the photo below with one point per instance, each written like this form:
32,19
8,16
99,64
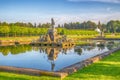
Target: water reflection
53,58
52,54
5,50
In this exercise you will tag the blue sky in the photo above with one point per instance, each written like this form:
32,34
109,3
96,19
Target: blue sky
61,10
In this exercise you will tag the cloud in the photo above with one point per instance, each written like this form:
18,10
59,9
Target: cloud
105,1
108,9
96,17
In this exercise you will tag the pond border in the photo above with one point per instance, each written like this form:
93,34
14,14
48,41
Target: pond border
77,66
61,73
34,72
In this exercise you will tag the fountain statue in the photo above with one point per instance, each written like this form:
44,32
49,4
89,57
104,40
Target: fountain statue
52,38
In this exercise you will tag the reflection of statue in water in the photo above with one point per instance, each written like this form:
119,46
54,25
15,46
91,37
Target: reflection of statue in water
65,50
52,55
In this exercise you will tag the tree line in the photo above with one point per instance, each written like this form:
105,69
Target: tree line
22,29
77,28
112,26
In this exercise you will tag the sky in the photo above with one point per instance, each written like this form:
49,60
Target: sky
63,11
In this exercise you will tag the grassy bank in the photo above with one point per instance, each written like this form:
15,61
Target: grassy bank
109,36
112,36
19,38
106,69
78,43
74,37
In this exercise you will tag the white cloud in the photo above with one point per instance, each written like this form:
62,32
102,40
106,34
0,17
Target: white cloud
67,18
108,9
105,1
95,17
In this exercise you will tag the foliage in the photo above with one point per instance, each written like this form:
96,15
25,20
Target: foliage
77,28
76,32
111,27
21,31
77,25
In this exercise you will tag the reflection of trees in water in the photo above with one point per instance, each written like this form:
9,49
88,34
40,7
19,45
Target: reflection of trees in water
101,46
15,49
109,46
112,45
88,48
35,48
78,50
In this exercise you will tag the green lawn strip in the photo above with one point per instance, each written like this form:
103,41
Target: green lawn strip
19,38
82,43
13,76
106,69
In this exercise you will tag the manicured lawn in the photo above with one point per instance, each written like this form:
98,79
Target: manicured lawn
106,69
112,36
12,76
30,38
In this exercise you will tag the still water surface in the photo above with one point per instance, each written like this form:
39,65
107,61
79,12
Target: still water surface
50,59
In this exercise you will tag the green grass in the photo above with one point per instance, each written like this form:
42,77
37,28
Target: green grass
81,36
74,37
112,36
106,69
19,38
78,43
12,76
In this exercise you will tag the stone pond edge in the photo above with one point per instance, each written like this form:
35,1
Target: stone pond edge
77,66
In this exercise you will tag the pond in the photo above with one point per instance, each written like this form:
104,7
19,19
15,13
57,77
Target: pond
51,59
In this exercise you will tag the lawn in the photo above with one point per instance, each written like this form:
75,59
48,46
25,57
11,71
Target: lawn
29,38
106,69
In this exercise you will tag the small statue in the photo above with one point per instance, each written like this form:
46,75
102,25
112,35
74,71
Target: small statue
52,22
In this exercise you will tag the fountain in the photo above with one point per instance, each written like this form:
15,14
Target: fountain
52,38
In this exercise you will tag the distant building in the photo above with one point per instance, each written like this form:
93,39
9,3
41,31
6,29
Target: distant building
98,30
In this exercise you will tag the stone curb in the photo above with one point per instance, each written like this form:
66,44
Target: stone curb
77,66
32,71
